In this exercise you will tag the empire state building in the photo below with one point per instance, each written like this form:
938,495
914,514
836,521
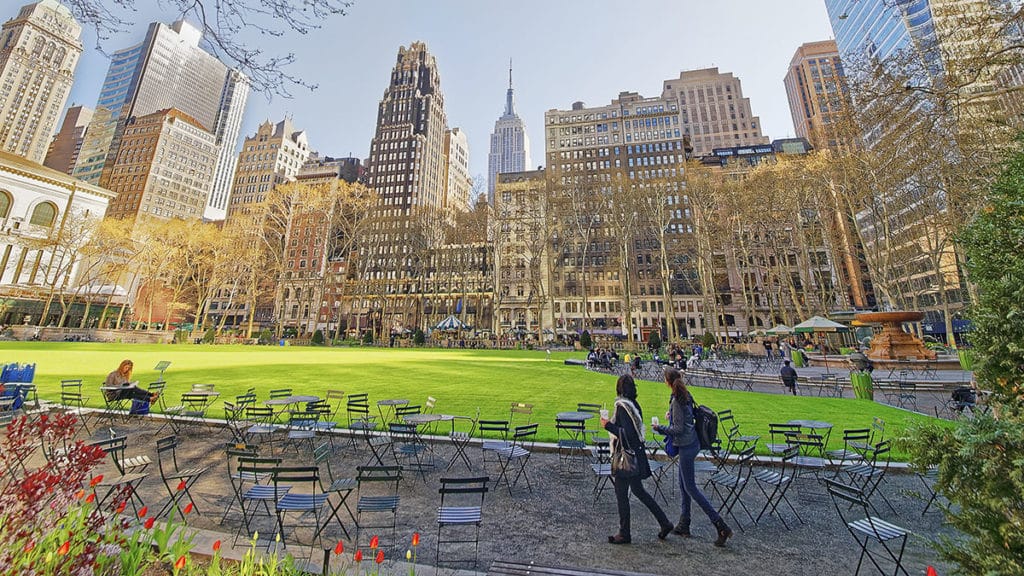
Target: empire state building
510,147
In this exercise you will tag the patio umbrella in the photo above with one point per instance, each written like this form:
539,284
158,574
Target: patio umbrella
817,324
778,330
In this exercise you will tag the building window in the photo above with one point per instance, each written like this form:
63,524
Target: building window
44,215
5,204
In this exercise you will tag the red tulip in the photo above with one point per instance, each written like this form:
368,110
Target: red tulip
415,538
374,542
121,507
80,494
380,556
180,563
931,572
188,509
149,523
90,498
359,556
95,481
142,513
64,548
216,546
181,486
339,548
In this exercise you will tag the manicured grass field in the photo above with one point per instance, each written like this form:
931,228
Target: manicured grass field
463,381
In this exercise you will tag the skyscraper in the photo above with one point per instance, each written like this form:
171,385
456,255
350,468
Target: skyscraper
168,69
882,29
39,50
510,146
456,153
712,111
163,168
273,155
816,88
64,149
226,130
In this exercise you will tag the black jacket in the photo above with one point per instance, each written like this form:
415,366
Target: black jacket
627,434
681,426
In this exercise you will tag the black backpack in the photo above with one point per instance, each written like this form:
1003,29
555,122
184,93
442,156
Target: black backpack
705,423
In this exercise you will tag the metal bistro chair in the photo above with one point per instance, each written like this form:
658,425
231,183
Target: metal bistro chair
183,479
729,486
258,470
518,452
71,400
891,538
340,487
234,451
493,438
778,481
460,441
378,495
778,433
462,502
571,446
602,466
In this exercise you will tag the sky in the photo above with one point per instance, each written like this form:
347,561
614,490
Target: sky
562,51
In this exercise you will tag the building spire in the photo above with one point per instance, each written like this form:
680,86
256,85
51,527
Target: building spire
509,106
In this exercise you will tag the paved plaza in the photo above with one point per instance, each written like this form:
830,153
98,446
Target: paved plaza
560,522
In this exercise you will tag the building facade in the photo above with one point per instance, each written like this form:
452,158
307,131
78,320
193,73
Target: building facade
67,143
817,92
460,185
273,155
510,145
163,167
43,221
712,110
39,50
229,123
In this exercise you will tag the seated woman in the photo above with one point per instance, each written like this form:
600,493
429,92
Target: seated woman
119,385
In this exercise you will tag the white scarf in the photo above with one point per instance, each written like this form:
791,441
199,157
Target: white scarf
637,420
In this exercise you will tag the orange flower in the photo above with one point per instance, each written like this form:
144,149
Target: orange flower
180,563
121,507
188,509
374,542
90,498
80,494
142,513
64,548
216,546
339,548
380,556
95,481
29,546
149,523
415,538
359,556
181,485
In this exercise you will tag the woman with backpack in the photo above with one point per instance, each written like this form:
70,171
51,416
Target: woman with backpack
627,431
684,437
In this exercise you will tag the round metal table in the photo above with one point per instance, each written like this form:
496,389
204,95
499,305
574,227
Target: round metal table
575,416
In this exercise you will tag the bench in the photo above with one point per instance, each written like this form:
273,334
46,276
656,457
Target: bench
502,567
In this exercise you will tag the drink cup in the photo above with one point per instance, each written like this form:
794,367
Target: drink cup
654,420
604,414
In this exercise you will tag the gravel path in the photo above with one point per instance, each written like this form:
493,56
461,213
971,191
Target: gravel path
559,523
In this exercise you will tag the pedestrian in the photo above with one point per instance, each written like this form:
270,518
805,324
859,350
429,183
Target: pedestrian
681,429
788,376
626,429
768,349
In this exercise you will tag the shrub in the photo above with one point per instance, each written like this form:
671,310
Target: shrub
367,338
708,340
318,338
654,341
419,338
209,336
266,336
585,340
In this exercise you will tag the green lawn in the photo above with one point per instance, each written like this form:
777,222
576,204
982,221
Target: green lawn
461,380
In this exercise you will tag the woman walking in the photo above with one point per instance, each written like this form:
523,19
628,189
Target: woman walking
627,433
684,437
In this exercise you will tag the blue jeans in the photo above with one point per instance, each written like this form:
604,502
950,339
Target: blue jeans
688,483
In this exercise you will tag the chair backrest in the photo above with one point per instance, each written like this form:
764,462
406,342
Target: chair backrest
115,447
571,428
403,411
589,408
303,419
167,448
75,383
523,409
157,387
379,475
463,490
257,467
296,475
787,457
428,406
259,413
877,429
524,435
334,399
403,433
360,398
233,451
779,432
602,451
357,411
194,401
845,497
809,444
726,419
498,427
858,435
245,399
280,393
880,453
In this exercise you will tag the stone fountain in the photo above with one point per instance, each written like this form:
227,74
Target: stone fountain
892,343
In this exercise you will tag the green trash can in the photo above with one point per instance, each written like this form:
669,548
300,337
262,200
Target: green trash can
863,386
796,355
966,359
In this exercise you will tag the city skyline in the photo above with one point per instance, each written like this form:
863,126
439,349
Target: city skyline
474,66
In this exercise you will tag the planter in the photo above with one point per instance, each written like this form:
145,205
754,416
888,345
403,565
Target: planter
797,357
863,386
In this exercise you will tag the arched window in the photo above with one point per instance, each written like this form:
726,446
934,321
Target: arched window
44,215
5,204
